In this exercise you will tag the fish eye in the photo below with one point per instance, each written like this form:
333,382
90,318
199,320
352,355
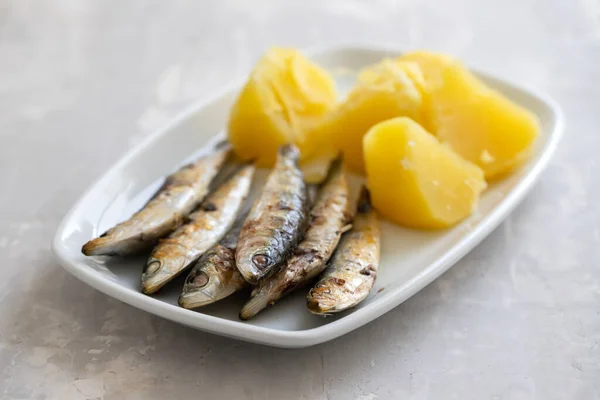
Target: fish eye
153,267
261,261
199,280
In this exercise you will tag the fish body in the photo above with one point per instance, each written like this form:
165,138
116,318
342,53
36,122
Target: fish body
329,218
214,276
277,220
352,270
205,227
180,194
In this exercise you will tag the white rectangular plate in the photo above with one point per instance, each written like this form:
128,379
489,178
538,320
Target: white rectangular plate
410,259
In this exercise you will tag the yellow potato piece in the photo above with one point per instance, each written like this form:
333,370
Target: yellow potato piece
416,181
285,96
383,91
430,65
479,123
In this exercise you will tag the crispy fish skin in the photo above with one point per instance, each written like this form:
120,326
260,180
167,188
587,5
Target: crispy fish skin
353,268
277,220
180,194
206,226
329,218
214,276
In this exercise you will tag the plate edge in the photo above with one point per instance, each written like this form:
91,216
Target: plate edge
313,336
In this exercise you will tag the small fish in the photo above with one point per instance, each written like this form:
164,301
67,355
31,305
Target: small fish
180,194
353,268
329,218
277,220
214,276
206,226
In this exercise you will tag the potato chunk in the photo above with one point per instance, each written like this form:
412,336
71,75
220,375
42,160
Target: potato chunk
478,122
285,96
416,181
385,90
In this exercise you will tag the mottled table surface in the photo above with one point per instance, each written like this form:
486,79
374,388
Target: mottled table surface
83,81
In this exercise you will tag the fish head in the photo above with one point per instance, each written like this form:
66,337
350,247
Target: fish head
160,270
256,263
329,296
206,283
201,288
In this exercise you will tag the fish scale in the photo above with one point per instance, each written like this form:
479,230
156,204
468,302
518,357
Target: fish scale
277,220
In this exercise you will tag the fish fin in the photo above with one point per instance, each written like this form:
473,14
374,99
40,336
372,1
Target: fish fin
100,246
255,290
364,201
256,304
346,228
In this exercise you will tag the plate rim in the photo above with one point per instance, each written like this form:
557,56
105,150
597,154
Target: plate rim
361,316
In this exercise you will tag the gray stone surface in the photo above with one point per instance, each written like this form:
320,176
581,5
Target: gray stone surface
82,81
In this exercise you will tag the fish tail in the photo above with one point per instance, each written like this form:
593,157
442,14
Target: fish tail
289,151
364,200
258,302
222,144
337,163
98,246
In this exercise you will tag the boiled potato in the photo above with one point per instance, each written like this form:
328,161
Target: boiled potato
285,96
478,122
385,90
415,180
